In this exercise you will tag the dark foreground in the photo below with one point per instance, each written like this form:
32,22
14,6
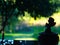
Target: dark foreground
22,42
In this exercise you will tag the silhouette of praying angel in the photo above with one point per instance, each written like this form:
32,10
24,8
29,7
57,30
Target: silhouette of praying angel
48,37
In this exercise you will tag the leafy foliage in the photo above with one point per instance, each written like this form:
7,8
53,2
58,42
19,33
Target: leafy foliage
34,7
39,7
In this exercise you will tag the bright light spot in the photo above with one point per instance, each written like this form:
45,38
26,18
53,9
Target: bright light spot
31,21
20,41
20,17
24,18
56,16
59,37
5,0
25,39
19,34
40,21
27,14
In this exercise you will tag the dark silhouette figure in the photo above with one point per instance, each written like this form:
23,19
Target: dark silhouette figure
48,37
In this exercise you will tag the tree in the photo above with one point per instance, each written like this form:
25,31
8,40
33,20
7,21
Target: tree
6,10
34,7
39,7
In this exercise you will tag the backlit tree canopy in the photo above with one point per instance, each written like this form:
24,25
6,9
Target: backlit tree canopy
42,7
34,7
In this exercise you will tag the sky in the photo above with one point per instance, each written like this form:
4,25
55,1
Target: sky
42,20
